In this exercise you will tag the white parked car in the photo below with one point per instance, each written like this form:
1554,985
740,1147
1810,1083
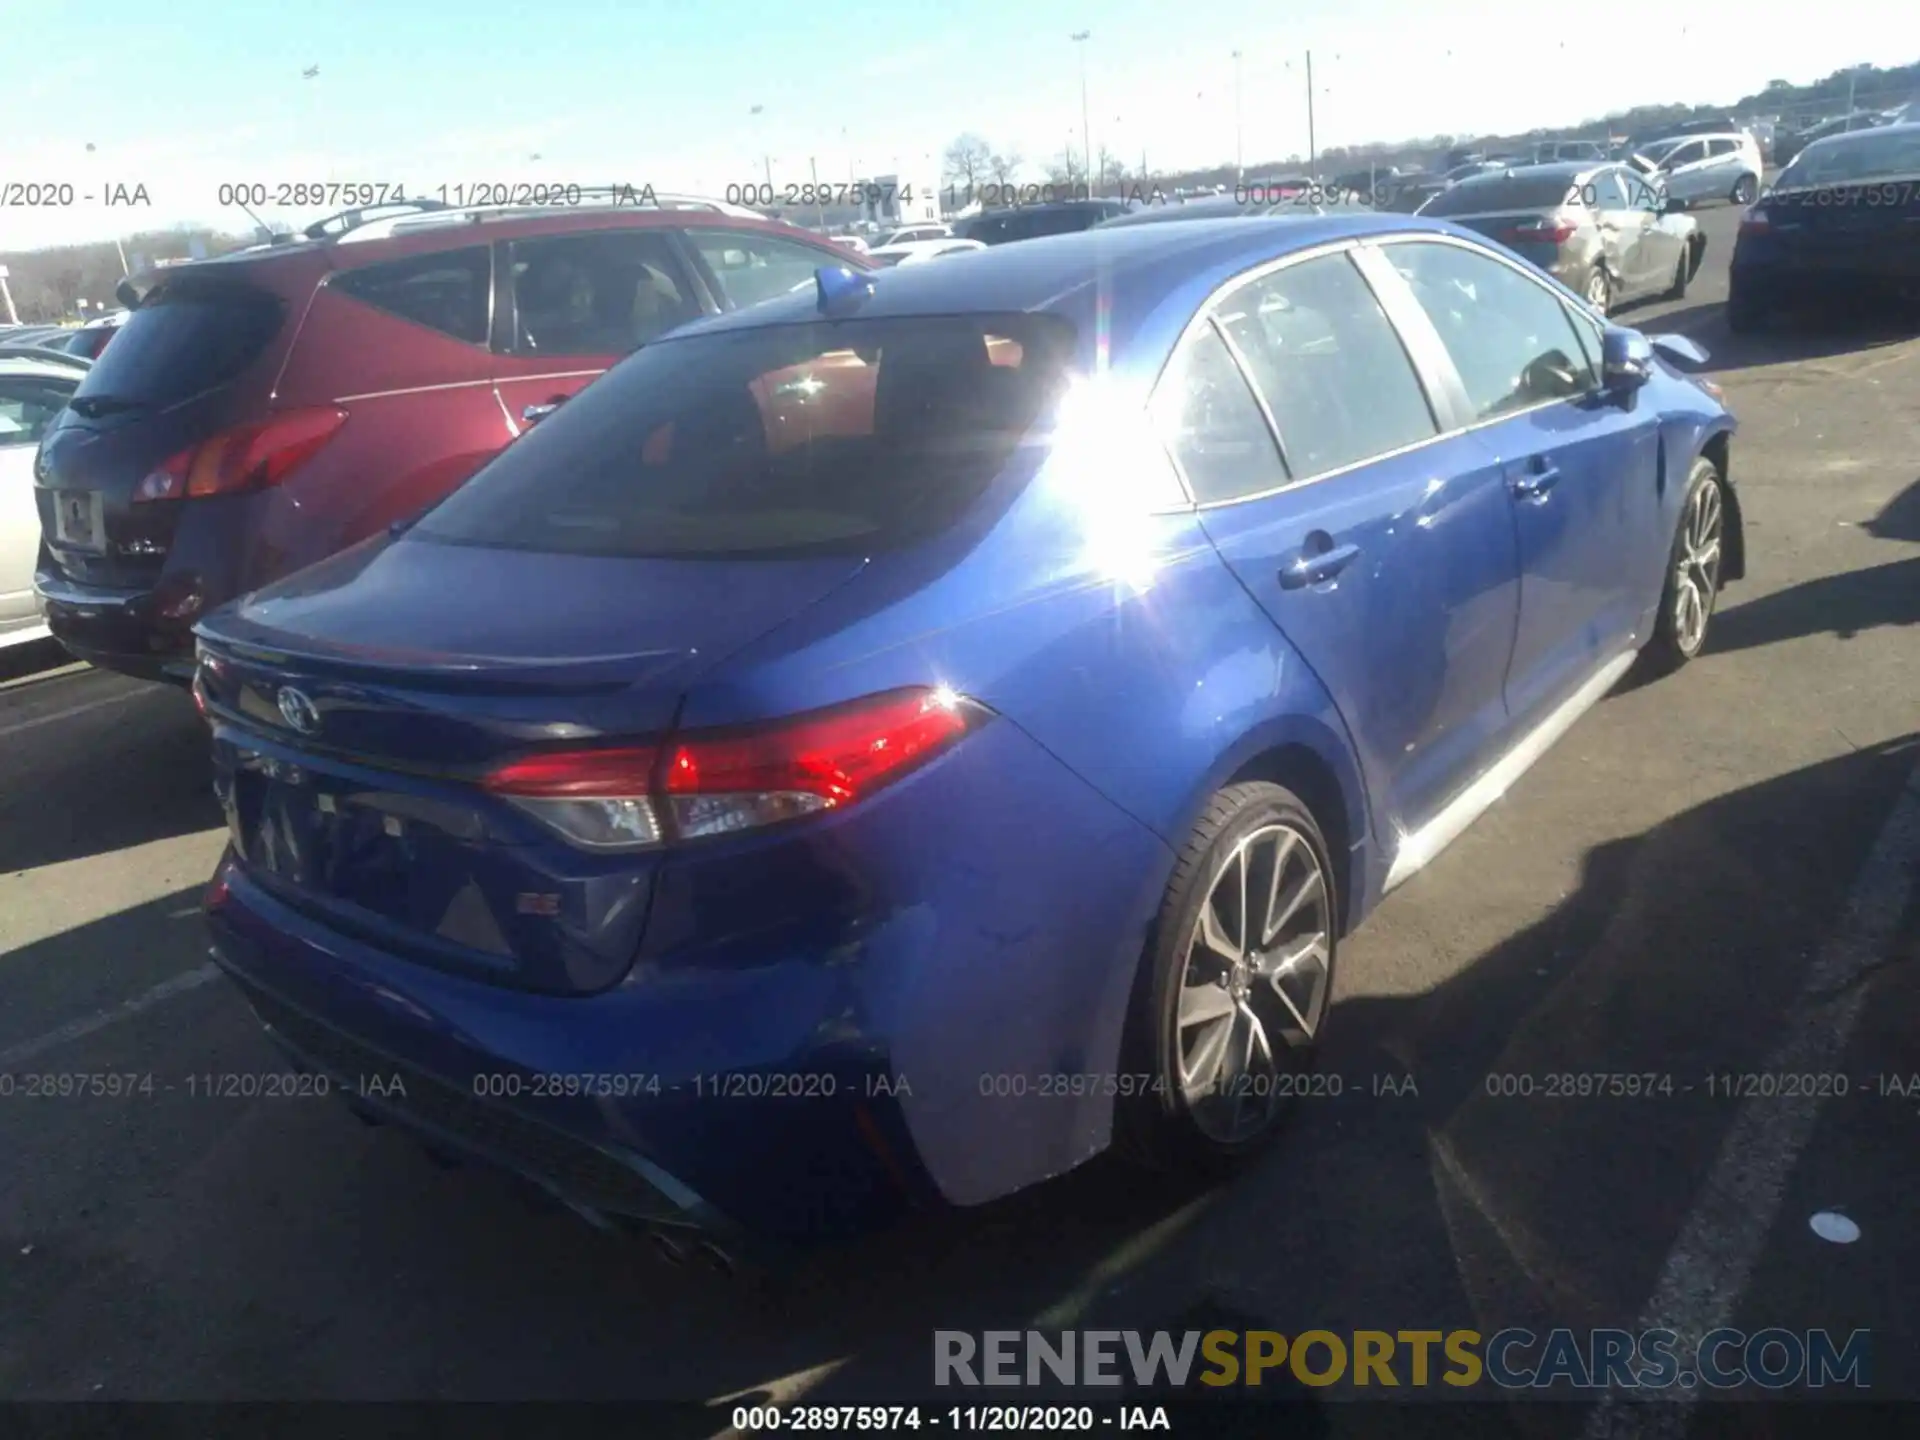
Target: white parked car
1722,166
911,234
35,386
914,252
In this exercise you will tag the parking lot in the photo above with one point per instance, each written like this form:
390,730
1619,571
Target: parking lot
1708,878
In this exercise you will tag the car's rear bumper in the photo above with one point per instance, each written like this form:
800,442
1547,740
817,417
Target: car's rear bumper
943,1031
118,629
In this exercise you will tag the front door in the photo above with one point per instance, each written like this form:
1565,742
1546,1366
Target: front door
573,305
1580,469
1384,553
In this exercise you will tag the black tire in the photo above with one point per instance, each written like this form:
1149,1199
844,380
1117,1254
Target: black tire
1744,190
1156,1125
1676,643
1682,275
1745,313
1598,291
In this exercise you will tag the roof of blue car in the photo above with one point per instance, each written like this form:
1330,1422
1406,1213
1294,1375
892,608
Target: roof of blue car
1056,272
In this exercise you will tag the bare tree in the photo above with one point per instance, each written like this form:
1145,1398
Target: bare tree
1003,165
968,162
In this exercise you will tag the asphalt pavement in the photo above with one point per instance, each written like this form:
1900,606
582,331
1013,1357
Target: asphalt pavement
1710,877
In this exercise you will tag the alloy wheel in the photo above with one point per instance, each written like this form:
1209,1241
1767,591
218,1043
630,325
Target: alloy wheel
1599,292
1696,573
1255,977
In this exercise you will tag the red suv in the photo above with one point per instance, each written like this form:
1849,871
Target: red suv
260,411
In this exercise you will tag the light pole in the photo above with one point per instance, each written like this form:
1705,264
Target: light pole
766,160
1239,125
1313,153
1080,38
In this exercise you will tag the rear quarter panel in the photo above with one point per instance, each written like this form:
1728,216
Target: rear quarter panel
1136,663
422,416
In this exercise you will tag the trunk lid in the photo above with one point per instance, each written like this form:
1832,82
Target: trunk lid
356,705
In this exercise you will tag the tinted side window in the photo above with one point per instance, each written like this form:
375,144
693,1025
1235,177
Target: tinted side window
750,268
600,294
1511,338
449,292
1687,154
1213,425
1721,147
28,404
1329,364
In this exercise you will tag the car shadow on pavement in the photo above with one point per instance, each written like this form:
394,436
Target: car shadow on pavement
153,782
278,1248
1792,338
1899,518
1679,955
31,657
1842,604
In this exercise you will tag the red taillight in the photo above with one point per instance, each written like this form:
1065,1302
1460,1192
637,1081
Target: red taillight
1755,222
632,798
247,457
1542,234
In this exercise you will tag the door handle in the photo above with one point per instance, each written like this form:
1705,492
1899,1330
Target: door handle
1317,569
1534,484
536,413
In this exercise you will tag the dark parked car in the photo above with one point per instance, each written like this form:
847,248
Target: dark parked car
1789,143
1601,230
1843,220
642,807
264,409
1221,207
90,339
1029,222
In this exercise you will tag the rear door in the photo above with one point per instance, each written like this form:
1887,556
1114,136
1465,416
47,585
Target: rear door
1623,229
1383,549
1581,471
571,306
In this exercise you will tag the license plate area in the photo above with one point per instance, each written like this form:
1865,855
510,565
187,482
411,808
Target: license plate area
428,867
78,520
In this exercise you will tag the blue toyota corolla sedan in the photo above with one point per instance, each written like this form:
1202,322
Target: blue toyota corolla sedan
883,747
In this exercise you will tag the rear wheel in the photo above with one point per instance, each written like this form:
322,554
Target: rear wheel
1235,984
1693,571
1599,290
1744,189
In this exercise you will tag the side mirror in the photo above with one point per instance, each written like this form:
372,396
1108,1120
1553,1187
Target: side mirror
1626,361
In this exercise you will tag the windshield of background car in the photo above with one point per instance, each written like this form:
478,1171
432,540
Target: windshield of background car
185,339
1872,155
828,437
1503,192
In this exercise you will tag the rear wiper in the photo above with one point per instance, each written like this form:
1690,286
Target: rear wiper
92,407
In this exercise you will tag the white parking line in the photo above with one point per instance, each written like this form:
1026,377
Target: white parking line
100,1019
70,712
1712,1259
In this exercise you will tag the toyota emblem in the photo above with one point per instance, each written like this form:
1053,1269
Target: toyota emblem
298,711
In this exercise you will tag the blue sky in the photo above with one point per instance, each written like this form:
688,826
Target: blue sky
185,95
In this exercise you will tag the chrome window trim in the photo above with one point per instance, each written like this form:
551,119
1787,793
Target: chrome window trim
1239,358
1447,376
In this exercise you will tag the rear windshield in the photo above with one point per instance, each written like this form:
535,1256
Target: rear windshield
827,437
1867,156
181,342
1504,192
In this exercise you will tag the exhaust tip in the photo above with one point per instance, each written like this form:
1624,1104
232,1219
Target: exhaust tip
669,1249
